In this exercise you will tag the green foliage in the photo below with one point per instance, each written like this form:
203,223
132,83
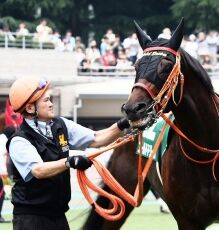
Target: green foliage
8,20
153,16
31,12
200,15
119,15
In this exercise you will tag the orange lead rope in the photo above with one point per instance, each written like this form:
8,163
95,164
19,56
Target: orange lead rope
118,206
200,148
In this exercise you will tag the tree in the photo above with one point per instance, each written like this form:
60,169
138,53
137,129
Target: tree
200,15
84,16
12,12
120,15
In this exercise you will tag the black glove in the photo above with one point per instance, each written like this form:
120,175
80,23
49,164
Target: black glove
80,162
123,123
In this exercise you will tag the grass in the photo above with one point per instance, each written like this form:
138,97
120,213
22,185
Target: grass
146,217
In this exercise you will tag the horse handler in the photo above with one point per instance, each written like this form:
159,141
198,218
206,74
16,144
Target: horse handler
40,154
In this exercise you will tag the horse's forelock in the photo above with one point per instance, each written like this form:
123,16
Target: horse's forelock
146,67
159,42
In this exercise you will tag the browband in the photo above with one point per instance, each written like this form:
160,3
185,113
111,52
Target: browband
156,48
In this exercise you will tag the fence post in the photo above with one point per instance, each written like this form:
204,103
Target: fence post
23,42
6,40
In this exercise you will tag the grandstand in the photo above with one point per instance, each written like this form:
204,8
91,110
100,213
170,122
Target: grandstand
93,99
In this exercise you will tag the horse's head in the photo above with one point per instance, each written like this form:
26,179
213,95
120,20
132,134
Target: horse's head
157,74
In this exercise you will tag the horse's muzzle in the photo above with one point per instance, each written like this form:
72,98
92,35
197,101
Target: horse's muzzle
138,114
135,111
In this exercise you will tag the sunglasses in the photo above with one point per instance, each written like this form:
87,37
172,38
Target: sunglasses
42,84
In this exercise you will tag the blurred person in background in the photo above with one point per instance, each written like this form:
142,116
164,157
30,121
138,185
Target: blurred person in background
22,30
108,59
93,52
43,32
7,31
203,49
40,154
122,60
7,133
79,55
131,45
191,46
86,64
117,45
110,35
56,41
68,41
79,43
104,45
212,40
166,33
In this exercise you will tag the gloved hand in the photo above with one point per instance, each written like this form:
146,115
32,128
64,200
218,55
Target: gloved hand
80,162
123,123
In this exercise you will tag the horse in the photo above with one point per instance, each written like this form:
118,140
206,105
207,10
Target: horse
169,79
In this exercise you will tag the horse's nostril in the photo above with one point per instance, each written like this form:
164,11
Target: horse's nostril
123,109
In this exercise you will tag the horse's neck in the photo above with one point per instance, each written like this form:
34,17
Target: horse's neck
197,116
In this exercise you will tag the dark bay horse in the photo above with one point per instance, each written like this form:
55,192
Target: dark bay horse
169,79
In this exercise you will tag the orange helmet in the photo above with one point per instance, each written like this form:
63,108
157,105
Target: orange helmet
26,90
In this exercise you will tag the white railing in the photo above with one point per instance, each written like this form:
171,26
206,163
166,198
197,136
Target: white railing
111,71
129,71
12,39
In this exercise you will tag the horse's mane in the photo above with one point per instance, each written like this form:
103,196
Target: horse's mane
189,62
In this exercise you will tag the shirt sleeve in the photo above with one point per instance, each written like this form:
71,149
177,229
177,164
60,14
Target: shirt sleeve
79,137
24,155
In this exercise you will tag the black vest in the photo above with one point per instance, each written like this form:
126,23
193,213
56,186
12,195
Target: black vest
48,196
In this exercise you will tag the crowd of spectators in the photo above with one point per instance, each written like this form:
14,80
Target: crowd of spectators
43,34
113,52
204,47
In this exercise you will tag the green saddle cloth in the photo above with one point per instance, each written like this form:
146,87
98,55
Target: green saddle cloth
150,137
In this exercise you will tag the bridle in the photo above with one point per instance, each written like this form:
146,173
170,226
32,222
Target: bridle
163,96
161,99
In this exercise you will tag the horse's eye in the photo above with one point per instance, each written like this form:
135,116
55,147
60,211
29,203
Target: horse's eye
165,66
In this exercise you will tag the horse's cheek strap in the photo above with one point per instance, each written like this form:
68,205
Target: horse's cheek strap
144,86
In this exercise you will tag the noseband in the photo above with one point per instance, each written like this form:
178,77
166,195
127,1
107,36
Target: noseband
161,98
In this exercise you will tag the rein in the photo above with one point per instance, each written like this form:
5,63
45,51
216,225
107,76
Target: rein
2,190
162,98
118,206
200,148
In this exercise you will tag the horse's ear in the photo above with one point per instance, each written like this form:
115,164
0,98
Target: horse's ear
176,38
143,38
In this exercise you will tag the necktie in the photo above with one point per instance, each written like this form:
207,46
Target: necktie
49,132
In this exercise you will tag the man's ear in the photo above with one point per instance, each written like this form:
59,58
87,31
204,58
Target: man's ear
30,108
